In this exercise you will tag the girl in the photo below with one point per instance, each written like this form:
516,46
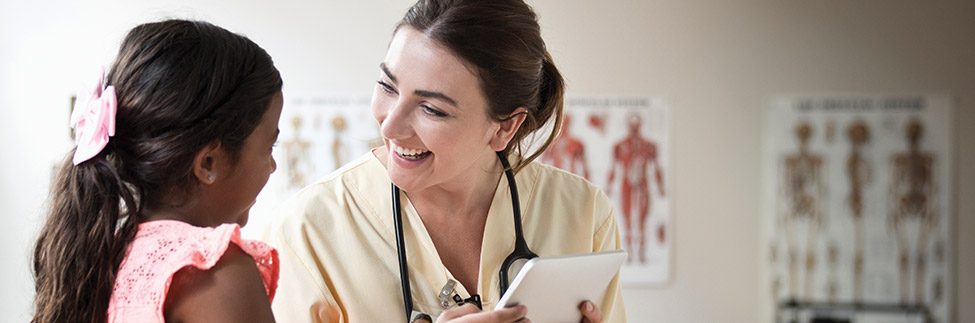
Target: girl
172,149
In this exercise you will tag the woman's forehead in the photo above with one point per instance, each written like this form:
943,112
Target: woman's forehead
414,61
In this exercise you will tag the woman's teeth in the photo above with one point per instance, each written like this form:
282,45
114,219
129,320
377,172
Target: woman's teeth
412,154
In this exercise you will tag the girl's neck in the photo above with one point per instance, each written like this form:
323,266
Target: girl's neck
190,214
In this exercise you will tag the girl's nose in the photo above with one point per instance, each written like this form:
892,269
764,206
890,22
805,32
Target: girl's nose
274,165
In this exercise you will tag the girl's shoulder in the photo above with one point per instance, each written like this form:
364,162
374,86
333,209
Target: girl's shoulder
234,280
162,248
158,243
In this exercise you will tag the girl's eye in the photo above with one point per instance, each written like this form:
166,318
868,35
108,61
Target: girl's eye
385,87
431,111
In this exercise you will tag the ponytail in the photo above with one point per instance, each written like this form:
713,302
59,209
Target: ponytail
83,242
551,106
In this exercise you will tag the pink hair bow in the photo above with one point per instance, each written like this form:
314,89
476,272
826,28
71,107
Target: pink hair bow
93,120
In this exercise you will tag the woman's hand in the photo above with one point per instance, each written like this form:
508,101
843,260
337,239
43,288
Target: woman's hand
590,312
468,313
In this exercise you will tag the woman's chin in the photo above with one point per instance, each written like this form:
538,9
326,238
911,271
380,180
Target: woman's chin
404,182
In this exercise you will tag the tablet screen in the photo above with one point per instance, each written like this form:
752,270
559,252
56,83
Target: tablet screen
553,287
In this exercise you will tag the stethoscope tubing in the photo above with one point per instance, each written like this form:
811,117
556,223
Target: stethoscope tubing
521,250
401,253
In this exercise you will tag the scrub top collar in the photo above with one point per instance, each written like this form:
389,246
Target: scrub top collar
498,241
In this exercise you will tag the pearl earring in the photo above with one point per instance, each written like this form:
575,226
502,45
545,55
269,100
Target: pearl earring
210,178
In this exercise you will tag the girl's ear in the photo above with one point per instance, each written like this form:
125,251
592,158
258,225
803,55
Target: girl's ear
509,126
205,163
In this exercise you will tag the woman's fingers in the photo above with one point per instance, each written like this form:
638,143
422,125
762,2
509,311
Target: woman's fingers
468,313
511,314
458,312
590,312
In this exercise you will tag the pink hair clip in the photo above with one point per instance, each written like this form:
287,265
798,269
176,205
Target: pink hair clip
93,120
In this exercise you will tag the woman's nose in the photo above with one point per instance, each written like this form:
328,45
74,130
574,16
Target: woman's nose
397,122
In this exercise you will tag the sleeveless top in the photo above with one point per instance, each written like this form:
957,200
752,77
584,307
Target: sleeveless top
160,249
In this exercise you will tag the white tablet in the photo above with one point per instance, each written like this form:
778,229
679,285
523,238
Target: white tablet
553,287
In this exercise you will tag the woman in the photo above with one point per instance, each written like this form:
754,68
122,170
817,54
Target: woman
463,83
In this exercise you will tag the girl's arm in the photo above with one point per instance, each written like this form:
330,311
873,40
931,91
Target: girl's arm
231,291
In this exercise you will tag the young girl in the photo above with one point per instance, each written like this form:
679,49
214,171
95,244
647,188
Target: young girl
172,149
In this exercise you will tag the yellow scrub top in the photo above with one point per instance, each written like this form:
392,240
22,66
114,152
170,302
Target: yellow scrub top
337,247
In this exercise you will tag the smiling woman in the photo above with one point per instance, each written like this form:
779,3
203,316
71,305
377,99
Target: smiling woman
433,118
462,85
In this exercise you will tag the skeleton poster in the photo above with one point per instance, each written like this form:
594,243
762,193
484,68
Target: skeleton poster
858,203
621,144
319,133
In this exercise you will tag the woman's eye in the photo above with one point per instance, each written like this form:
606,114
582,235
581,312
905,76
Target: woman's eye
432,111
385,87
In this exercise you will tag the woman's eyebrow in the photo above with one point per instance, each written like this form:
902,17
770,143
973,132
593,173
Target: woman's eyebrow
423,93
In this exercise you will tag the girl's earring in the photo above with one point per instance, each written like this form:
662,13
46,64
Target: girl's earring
210,178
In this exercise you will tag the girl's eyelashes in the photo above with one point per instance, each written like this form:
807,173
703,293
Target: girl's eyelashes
277,139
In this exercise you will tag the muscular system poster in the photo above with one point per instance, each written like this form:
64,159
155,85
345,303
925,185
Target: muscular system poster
622,145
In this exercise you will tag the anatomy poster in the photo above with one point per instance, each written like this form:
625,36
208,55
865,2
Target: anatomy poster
622,145
319,133
858,203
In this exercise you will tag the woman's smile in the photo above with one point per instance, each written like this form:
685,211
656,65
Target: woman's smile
410,154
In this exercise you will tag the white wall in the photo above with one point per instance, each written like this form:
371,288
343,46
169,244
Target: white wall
714,61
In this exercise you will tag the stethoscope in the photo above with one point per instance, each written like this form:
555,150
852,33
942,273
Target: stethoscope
517,258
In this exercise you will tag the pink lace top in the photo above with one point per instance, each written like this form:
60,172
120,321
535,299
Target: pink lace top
160,249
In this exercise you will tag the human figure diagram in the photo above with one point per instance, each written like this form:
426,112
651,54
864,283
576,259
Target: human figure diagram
803,189
911,202
567,152
297,156
634,155
858,171
339,153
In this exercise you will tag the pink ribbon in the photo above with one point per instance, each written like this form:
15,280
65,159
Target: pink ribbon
93,120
